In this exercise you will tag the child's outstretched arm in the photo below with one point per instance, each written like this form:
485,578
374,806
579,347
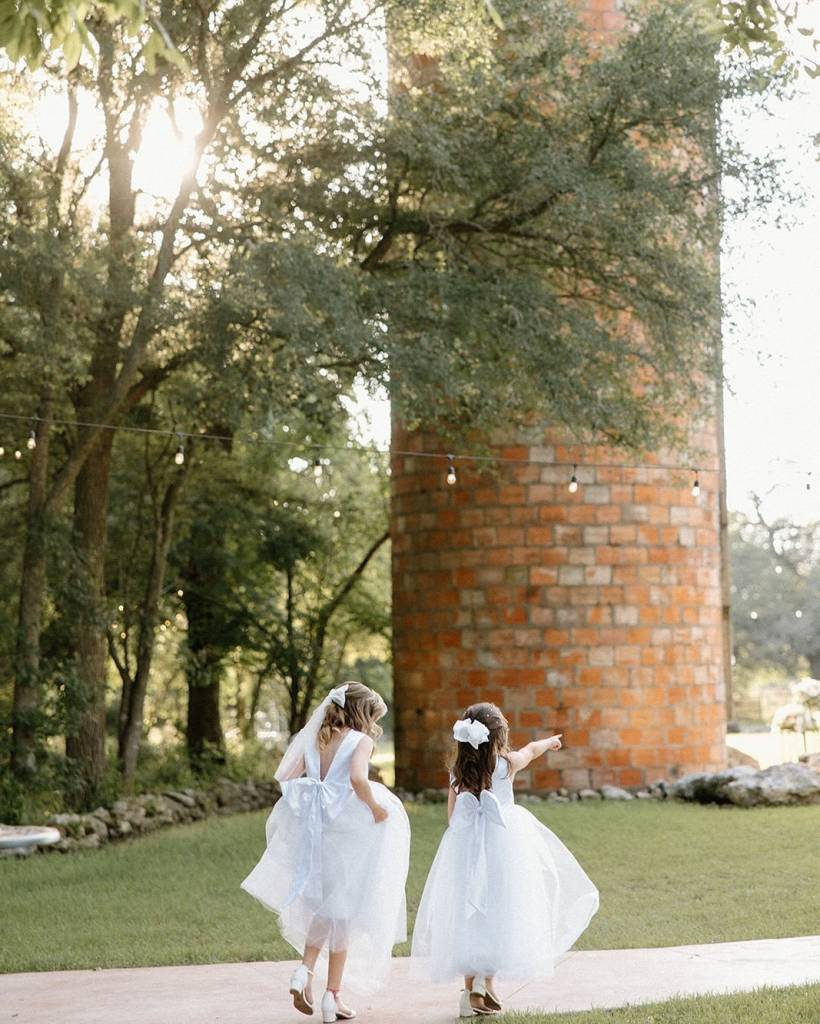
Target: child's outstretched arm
521,758
359,780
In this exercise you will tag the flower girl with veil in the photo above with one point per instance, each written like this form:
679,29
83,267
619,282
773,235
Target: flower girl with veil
337,853
504,895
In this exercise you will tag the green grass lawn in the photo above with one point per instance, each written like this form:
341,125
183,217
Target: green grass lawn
800,1005
669,874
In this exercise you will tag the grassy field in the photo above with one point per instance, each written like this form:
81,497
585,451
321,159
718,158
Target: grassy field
800,1005
669,874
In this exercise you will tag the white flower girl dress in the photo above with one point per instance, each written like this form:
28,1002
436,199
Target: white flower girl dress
504,895
334,877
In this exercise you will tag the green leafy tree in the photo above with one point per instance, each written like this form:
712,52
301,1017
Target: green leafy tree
776,595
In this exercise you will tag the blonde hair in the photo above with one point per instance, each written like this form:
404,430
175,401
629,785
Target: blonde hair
362,710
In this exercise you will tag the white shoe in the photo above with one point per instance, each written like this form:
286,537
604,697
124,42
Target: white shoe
480,988
334,1009
466,1008
299,981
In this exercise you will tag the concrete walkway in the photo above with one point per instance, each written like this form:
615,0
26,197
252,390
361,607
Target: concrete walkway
256,993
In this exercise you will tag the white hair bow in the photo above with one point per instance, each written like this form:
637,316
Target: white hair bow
338,695
470,730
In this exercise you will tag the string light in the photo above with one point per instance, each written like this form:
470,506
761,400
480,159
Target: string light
798,614
180,593
318,463
2,451
31,444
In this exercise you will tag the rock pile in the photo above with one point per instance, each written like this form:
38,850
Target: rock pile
744,786
151,811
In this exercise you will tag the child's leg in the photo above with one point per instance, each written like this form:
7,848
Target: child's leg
490,996
316,937
335,969
338,943
474,999
309,958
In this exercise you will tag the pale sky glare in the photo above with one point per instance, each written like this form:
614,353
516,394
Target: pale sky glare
773,360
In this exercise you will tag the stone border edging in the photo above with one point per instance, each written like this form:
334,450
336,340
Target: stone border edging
148,812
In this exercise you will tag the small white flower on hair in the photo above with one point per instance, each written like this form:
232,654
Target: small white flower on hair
470,730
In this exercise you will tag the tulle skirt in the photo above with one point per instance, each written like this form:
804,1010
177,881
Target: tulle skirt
537,901
349,881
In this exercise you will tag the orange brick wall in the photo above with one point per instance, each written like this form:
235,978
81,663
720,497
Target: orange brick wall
595,614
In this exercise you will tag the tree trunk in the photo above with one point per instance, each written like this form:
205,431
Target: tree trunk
27,686
209,638
814,664
206,743
131,725
85,741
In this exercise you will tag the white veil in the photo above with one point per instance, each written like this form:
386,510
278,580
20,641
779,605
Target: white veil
289,766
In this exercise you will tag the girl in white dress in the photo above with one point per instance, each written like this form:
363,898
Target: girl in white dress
337,853
504,895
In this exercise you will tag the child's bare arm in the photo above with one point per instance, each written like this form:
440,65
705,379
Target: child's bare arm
521,758
451,801
297,770
359,778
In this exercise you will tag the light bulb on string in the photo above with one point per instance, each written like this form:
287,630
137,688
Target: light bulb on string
696,485
317,469
180,593
18,454
31,443
573,481
451,470
179,458
2,451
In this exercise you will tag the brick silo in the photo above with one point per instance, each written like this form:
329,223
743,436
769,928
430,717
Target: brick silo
599,614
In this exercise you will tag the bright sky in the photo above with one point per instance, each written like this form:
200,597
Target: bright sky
773,360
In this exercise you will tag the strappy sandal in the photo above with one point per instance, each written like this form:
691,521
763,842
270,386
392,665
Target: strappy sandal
468,1008
491,1000
334,1009
299,981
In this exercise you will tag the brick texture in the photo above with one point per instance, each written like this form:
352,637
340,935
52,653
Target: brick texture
594,614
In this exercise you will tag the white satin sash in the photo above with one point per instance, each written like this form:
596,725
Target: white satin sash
312,801
478,814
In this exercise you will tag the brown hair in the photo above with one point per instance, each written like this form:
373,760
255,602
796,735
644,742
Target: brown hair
363,708
472,768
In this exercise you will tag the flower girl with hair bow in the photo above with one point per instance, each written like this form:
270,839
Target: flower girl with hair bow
337,853
504,895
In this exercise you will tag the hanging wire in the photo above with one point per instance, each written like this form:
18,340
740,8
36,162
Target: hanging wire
182,435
